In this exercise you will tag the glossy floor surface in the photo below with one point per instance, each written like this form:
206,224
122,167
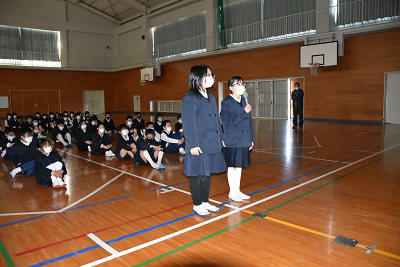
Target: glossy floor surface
313,185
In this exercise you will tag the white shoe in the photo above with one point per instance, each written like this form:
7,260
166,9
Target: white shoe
111,154
182,151
244,196
236,198
210,207
200,210
61,182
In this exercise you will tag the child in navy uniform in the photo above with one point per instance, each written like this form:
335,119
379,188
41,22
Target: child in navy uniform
158,124
60,134
149,151
23,153
50,169
178,124
138,122
84,137
109,124
101,142
172,141
6,143
125,147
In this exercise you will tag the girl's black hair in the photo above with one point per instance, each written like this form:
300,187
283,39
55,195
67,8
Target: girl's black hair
25,131
122,127
179,116
158,115
150,131
100,124
165,123
82,122
196,75
41,142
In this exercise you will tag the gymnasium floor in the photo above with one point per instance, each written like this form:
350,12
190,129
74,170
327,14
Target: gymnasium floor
329,180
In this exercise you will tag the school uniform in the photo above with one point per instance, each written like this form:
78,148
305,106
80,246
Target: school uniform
19,125
141,144
75,126
6,147
178,127
202,129
28,124
170,140
158,127
139,125
157,136
23,156
43,174
44,123
109,124
87,119
8,123
123,143
14,124
57,131
82,137
98,142
238,132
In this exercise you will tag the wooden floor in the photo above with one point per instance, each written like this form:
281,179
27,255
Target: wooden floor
328,180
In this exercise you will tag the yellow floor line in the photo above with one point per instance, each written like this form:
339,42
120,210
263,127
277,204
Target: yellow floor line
324,235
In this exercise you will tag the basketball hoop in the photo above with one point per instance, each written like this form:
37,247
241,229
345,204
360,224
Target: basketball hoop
142,82
314,68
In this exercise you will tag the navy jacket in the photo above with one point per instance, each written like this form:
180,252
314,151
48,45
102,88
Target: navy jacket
82,137
109,125
201,122
22,154
41,162
237,123
57,131
98,141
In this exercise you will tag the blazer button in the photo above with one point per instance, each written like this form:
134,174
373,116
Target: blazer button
217,131
242,131
215,115
247,130
210,115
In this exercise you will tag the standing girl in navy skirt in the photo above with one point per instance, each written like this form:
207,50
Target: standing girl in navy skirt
203,138
238,135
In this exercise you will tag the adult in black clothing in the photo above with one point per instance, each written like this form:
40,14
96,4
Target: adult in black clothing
158,124
61,134
50,169
84,137
109,124
125,146
138,122
23,153
101,142
297,97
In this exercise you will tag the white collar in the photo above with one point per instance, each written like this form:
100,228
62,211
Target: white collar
203,93
237,100
127,137
25,143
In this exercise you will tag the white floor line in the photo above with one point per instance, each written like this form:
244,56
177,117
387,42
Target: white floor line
101,243
305,157
67,207
316,140
283,148
364,151
364,133
155,241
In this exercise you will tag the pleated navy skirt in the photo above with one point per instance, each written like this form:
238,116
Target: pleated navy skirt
204,164
236,156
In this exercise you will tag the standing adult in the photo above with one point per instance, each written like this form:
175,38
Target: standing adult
203,131
238,135
297,97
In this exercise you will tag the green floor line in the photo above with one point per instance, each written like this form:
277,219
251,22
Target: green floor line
251,218
5,255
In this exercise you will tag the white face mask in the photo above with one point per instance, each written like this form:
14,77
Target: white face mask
240,89
180,121
169,129
296,88
83,126
9,117
78,117
209,81
159,119
47,150
125,132
129,123
150,127
38,115
44,117
15,117
93,123
61,128
28,139
10,138
51,116
102,130
35,131
65,119
35,123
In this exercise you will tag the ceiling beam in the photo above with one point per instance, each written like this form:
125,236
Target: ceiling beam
93,10
138,6
163,4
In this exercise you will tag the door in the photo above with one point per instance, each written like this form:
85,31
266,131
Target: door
264,99
93,101
136,103
392,97
281,101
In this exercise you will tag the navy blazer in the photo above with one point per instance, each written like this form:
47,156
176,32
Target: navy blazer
41,162
238,124
202,124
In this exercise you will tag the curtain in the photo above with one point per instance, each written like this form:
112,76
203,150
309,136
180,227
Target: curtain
28,44
180,36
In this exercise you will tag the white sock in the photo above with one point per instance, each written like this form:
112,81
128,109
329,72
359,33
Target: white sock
68,137
60,181
15,171
182,150
238,177
149,160
61,139
231,181
160,156
54,180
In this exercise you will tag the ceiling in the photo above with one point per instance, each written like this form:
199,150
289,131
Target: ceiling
120,11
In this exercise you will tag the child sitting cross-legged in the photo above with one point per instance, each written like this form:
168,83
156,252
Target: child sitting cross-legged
172,141
50,169
125,146
149,151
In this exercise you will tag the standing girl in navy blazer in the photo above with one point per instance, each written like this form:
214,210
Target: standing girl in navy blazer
203,131
238,135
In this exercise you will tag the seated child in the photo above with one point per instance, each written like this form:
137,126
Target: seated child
87,117
138,122
60,134
178,124
50,169
172,141
109,124
135,134
28,122
8,121
125,146
92,125
149,151
101,142
44,122
23,153
52,121
158,124
84,136
150,125
6,143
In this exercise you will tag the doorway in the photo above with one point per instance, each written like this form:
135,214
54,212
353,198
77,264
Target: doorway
392,98
93,101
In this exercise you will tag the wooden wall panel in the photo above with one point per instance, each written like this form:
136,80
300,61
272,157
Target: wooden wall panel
54,101
17,98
